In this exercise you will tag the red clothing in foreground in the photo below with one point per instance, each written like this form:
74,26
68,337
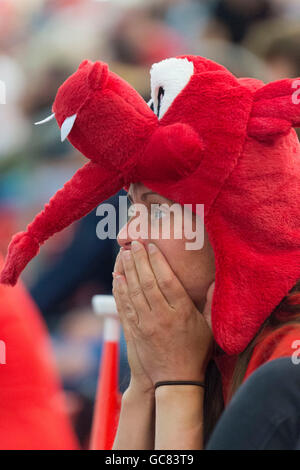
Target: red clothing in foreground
32,409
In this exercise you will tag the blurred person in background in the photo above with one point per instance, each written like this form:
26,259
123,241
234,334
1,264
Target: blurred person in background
29,157
283,56
287,9
141,38
277,43
237,16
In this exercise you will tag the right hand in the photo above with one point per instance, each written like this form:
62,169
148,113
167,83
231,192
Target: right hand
140,382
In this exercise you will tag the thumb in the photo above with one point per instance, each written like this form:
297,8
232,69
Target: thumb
208,305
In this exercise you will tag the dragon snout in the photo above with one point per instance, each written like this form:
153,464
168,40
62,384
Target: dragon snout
88,78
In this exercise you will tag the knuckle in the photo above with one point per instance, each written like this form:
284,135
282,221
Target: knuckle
132,318
130,315
118,263
128,308
129,311
147,331
148,284
135,292
167,282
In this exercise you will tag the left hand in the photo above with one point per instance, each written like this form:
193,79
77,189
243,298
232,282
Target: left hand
172,338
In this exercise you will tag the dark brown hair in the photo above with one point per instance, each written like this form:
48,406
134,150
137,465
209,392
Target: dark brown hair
286,312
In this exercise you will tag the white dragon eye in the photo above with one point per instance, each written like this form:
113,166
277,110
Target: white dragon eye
168,79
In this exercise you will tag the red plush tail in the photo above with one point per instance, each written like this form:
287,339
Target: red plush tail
90,186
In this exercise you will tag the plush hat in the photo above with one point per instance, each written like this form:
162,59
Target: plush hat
205,137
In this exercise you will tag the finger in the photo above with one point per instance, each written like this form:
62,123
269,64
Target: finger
146,277
166,279
118,267
133,283
127,310
118,301
122,317
208,305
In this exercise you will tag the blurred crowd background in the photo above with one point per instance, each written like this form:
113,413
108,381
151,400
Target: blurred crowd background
41,43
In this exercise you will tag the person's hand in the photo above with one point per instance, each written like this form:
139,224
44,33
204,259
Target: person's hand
140,382
172,338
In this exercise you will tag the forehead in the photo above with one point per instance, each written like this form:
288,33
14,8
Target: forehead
136,189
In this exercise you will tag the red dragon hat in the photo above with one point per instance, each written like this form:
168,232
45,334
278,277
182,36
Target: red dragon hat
206,137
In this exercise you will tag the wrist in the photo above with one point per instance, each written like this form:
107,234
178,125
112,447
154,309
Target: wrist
179,417
166,392
136,393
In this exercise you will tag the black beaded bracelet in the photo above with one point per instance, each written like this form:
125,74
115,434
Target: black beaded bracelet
179,382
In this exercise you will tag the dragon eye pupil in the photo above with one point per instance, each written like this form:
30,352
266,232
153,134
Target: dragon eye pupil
161,93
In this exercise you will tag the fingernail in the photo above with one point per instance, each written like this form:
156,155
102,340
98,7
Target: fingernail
119,279
135,245
152,248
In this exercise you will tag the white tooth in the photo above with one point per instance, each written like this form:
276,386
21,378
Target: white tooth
49,118
67,126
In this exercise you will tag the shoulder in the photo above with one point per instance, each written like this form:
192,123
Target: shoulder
277,372
277,380
264,413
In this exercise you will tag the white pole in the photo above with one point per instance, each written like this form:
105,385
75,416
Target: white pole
105,306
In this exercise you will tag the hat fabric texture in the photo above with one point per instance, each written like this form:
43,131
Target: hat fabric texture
205,137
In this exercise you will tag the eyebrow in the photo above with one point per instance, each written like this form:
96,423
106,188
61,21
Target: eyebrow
143,197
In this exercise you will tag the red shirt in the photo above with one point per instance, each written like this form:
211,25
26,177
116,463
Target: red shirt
272,344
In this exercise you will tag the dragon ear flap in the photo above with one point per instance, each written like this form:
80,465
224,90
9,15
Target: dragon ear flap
276,110
83,64
98,76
